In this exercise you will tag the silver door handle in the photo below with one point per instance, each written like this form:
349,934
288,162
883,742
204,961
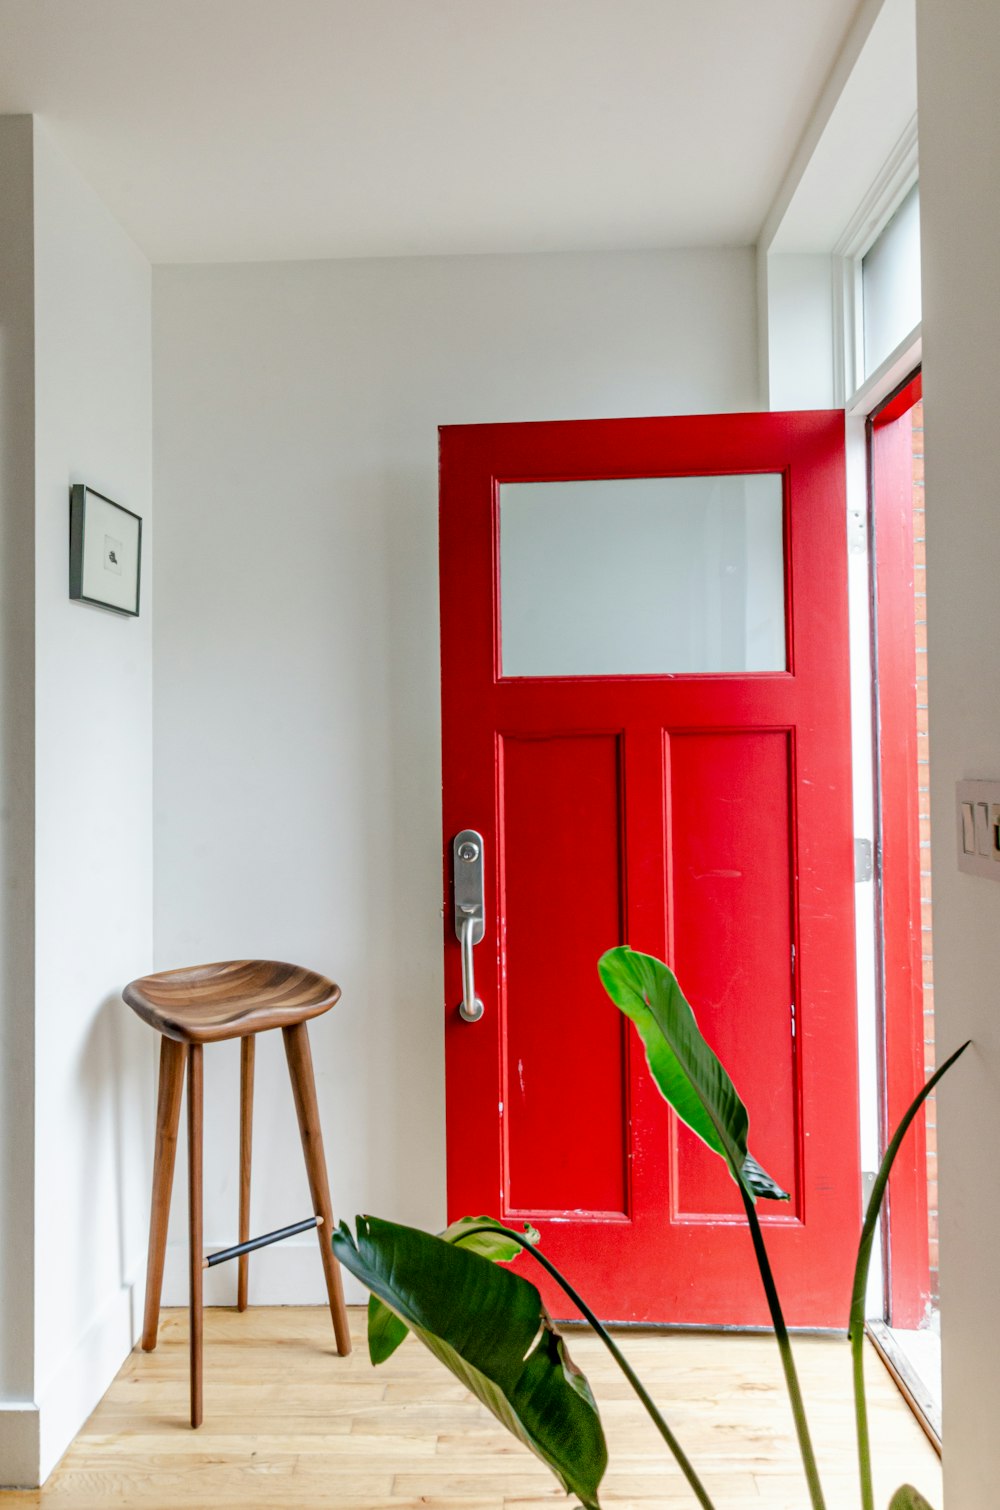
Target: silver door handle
467,1013
467,853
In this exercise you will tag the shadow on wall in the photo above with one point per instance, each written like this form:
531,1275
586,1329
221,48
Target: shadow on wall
116,1079
17,655
407,501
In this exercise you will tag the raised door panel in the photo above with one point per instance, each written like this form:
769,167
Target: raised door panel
563,1042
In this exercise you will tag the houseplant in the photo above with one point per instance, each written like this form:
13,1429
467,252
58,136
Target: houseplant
488,1326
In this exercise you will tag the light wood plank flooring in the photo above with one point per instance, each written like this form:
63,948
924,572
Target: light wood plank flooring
290,1425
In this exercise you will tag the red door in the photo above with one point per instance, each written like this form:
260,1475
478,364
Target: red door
903,938
646,718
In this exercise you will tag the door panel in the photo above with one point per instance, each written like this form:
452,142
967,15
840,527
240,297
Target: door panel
703,815
562,816
731,857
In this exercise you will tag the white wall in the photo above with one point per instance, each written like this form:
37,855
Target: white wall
959,49
798,292
297,747
92,903
93,854
18,1418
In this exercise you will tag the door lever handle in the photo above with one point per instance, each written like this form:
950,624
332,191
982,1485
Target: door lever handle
475,1011
467,852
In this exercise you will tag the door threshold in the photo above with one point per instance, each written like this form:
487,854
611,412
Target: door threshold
659,1328
913,1389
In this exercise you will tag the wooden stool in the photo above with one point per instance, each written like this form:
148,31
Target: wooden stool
205,1004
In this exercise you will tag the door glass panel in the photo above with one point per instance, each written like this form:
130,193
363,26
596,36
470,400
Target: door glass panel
646,575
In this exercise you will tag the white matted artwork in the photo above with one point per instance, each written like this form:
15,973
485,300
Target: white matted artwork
105,551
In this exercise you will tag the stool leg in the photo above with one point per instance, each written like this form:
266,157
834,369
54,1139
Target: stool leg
195,1240
300,1070
168,1113
246,1150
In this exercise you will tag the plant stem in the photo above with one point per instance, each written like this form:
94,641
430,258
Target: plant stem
856,1325
684,1463
861,1420
785,1349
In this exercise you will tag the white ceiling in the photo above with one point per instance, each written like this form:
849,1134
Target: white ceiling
238,130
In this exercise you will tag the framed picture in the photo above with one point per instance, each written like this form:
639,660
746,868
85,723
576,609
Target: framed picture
105,551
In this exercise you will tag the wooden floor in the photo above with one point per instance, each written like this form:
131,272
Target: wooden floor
291,1426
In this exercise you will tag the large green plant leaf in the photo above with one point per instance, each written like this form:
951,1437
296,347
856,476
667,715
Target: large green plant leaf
488,1326
689,1075
908,1498
386,1331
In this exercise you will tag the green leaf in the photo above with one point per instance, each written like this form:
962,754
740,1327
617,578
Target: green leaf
689,1075
908,1498
760,1182
495,1245
386,1331
488,1326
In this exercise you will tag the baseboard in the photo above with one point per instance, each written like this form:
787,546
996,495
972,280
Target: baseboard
287,1274
34,1437
83,1374
19,1437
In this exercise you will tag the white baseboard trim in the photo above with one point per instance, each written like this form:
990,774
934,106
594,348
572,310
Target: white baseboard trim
19,1435
33,1437
287,1274
83,1374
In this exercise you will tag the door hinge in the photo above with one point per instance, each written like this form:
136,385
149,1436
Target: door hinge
867,1185
863,870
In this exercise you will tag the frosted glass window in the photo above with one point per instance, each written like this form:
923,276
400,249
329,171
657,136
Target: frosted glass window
645,575
890,280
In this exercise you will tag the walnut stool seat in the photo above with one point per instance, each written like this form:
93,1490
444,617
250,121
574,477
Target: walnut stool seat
206,1004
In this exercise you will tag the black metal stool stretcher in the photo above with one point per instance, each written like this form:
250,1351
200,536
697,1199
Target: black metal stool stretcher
206,1004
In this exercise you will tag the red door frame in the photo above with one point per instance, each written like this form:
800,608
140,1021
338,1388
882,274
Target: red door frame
477,699
901,998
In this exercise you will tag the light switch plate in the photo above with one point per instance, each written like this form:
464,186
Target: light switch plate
977,809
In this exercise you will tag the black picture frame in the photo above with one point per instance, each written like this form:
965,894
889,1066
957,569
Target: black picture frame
96,563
